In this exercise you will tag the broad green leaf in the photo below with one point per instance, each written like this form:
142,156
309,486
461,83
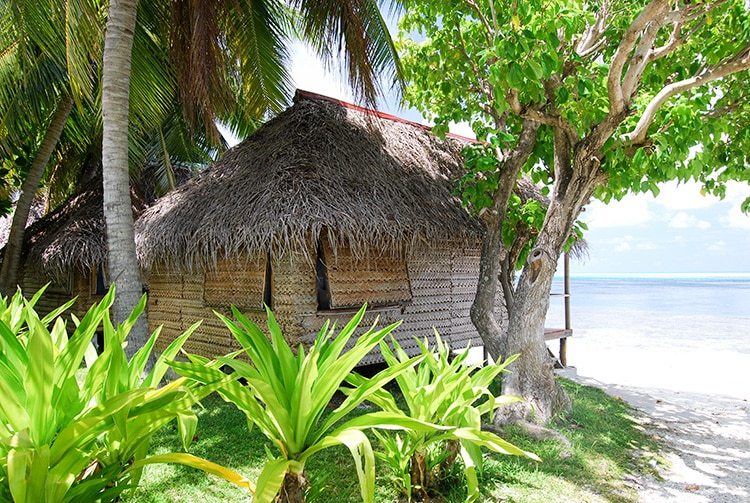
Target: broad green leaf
160,368
364,390
39,382
19,462
196,462
492,442
364,461
272,477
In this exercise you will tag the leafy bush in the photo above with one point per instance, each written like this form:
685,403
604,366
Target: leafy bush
444,392
64,440
286,397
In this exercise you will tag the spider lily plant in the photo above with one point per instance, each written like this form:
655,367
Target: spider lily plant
445,391
286,395
64,438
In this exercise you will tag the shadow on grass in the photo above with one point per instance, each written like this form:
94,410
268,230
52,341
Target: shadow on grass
609,450
222,436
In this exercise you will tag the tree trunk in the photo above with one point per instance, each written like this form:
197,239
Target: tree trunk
118,212
483,308
531,376
420,477
12,257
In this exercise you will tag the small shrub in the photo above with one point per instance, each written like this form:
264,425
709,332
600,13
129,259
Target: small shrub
285,395
63,440
450,394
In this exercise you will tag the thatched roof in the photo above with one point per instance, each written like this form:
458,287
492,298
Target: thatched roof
72,236
321,166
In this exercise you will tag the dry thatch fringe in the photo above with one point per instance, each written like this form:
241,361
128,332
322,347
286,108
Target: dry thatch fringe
380,185
72,236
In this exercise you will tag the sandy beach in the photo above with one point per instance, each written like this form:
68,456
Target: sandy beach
692,390
707,438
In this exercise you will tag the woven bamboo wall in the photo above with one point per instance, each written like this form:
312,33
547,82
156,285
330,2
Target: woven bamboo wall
442,284
465,274
376,279
176,302
59,291
441,281
431,305
294,298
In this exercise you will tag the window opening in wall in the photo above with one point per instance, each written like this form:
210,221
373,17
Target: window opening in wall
101,287
268,285
321,280
345,282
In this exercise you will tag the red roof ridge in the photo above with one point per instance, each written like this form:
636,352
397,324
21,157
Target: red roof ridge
300,93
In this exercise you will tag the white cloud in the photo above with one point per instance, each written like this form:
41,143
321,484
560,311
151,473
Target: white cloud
621,244
623,247
685,196
737,192
648,245
735,219
632,210
684,221
718,246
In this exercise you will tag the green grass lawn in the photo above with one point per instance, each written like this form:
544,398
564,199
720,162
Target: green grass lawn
608,445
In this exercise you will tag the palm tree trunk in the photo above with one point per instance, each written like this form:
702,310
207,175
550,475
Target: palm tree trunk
118,212
12,257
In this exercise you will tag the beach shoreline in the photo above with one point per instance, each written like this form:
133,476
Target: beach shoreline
707,439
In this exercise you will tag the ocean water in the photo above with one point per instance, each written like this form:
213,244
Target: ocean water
682,333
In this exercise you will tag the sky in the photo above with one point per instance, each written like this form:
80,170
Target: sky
680,231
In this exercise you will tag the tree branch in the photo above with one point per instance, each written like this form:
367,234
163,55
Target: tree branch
675,41
638,61
592,38
645,52
737,63
465,54
489,31
538,116
652,11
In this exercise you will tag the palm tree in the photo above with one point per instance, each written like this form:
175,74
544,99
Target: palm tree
208,38
36,94
43,64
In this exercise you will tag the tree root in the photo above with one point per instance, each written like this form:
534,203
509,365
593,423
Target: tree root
536,432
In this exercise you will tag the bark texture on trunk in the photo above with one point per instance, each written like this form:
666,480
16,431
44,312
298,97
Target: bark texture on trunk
118,214
532,376
483,308
14,246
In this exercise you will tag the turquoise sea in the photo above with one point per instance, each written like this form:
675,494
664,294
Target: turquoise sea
688,332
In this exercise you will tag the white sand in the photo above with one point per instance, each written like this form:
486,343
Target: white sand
707,434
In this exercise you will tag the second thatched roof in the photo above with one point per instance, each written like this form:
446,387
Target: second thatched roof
321,166
72,236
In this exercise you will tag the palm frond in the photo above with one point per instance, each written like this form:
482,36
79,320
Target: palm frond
355,31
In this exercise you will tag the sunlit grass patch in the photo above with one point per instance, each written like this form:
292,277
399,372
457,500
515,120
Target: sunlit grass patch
608,446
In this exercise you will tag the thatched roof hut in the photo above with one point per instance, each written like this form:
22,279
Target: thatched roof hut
67,248
379,184
325,207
